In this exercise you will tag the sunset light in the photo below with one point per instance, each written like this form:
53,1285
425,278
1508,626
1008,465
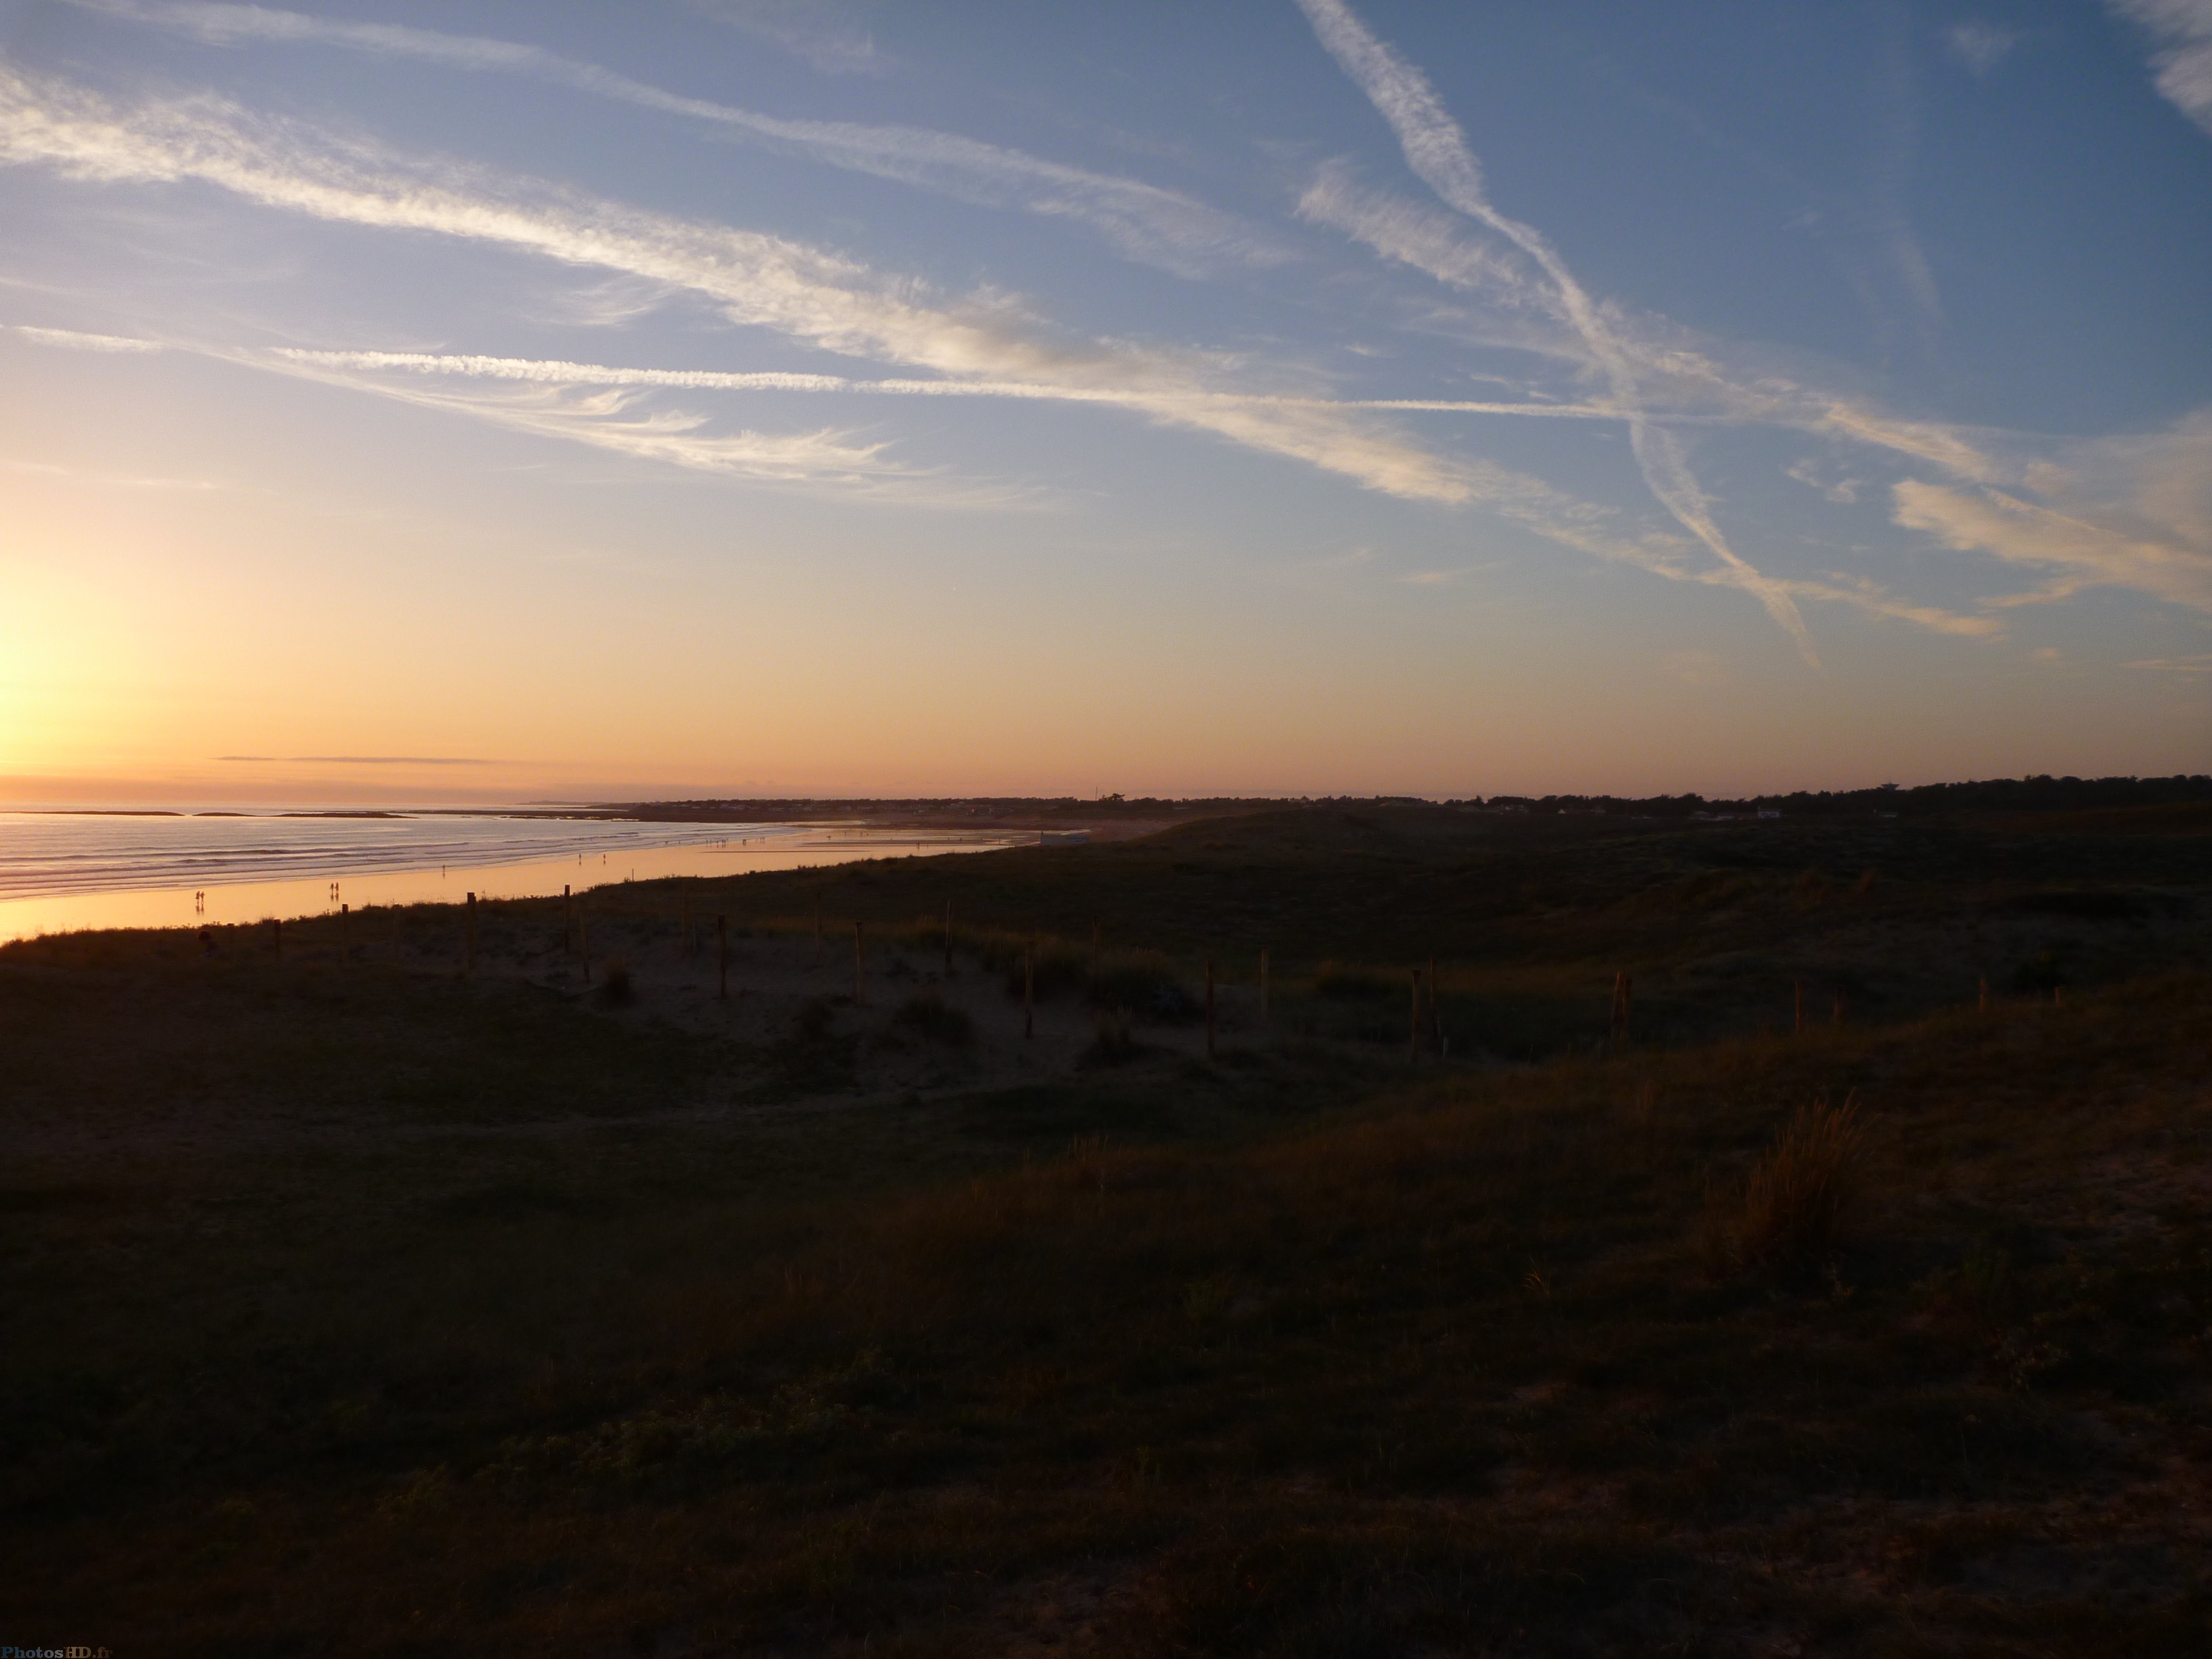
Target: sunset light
1213,831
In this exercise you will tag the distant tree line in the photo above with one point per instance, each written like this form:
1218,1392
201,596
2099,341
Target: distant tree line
2040,793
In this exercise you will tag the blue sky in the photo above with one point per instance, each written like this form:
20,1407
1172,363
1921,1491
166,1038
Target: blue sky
819,394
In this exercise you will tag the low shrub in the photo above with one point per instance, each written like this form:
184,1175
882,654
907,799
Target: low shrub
1142,985
616,988
1058,969
1113,1044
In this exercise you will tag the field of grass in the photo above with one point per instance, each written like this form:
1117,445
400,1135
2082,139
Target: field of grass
357,1303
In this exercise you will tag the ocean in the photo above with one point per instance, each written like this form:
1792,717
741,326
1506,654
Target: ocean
62,870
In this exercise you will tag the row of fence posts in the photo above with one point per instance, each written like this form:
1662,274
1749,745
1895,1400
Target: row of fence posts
575,936
1624,988
575,940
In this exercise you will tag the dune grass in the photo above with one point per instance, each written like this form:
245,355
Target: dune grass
1802,1191
360,1308
1451,1368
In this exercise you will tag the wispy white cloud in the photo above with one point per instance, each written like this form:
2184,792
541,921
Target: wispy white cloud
1864,594
1689,380
1658,380
2080,552
2133,511
1437,152
1663,369
1275,422
1319,430
1146,223
1963,451
69,339
1415,235
2183,29
1679,381
2158,481
614,303
612,419
1842,491
558,371
1980,45
825,34
758,280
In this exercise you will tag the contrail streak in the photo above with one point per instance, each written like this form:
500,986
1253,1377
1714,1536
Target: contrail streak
556,371
1437,151
1147,222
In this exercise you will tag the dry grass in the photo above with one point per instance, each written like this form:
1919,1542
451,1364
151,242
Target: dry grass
1442,1371
1803,1190
1113,1043
927,1015
379,1313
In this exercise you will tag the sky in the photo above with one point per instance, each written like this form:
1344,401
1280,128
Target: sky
491,399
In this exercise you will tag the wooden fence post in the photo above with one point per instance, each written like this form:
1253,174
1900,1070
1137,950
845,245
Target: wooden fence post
345,933
469,955
276,938
1435,1010
568,923
1837,1018
722,952
584,944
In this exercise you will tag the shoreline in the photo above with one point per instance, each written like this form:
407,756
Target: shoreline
210,901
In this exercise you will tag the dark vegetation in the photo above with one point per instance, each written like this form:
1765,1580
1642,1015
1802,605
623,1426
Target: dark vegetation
2150,803
352,1304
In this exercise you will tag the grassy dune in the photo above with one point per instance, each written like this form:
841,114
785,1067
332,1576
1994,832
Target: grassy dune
355,1305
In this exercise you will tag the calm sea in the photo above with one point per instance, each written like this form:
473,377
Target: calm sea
62,870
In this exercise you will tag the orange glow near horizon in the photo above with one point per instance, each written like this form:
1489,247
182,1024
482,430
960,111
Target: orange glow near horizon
424,422
150,629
